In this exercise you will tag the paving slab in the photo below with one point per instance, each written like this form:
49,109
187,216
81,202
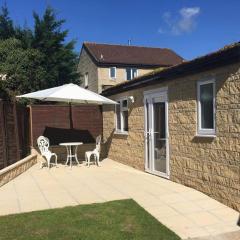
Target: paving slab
189,213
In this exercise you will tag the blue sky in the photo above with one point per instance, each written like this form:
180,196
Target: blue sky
190,27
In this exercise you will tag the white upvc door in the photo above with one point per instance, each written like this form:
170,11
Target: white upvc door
156,132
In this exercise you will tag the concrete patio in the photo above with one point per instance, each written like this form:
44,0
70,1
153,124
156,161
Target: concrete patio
189,213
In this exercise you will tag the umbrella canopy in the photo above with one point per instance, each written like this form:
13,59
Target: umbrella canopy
70,93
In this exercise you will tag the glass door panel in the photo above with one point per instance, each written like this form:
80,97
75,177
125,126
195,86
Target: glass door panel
156,136
159,135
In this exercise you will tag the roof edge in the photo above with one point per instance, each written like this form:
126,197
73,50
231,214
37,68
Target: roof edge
226,55
117,64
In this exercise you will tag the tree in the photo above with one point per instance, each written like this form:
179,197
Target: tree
22,67
35,59
25,35
60,61
6,24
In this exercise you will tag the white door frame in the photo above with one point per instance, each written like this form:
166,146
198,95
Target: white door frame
161,94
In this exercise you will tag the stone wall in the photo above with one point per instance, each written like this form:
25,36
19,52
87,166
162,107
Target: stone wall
104,78
99,76
86,65
12,171
210,165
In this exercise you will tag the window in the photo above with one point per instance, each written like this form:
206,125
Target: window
86,79
112,72
131,73
121,113
206,107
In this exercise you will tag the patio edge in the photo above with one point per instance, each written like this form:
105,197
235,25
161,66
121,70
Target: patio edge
9,173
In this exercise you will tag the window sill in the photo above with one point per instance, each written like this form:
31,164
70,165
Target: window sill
206,135
121,133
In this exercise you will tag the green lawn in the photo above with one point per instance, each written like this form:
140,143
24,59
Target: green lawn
123,219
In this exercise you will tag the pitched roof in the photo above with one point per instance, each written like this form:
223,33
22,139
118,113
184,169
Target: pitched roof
131,55
227,55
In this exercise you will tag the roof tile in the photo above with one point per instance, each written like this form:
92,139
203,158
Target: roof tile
135,55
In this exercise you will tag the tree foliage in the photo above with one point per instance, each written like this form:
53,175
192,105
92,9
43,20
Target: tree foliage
6,24
38,58
60,59
23,67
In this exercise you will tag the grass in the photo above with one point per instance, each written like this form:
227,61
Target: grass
115,220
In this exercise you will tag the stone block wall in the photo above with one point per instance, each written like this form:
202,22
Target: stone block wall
104,79
210,165
12,171
86,65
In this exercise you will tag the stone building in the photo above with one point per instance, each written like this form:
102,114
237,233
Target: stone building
182,123
105,65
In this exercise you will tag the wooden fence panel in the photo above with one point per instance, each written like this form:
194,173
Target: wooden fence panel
13,144
3,157
53,121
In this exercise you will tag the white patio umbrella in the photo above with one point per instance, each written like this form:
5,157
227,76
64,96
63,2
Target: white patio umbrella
70,93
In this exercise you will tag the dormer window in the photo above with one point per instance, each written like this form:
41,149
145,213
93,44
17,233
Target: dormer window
131,73
112,72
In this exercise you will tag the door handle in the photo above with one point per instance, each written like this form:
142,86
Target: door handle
147,133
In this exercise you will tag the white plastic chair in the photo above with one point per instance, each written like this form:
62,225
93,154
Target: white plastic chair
43,145
95,153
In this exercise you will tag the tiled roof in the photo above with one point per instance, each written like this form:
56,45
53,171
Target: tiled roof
132,55
226,55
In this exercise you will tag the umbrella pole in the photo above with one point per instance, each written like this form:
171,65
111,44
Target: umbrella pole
70,115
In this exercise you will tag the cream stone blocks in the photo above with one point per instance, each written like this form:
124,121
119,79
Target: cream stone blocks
104,77
210,165
86,65
99,76
9,173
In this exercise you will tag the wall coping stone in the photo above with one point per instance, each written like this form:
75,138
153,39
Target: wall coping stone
12,171
12,166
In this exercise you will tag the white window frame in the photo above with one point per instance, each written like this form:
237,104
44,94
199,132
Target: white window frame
122,109
86,79
136,72
131,73
205,131
115,73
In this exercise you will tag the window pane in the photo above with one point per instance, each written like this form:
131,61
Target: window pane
118,117
128,73
125,103
112,72
86,79
125,120
206,102
134,72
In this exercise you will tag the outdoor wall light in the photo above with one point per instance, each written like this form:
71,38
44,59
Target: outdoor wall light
131,99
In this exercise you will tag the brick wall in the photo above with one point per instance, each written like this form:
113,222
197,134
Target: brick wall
210,165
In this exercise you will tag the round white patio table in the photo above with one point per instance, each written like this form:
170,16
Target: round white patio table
71,151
